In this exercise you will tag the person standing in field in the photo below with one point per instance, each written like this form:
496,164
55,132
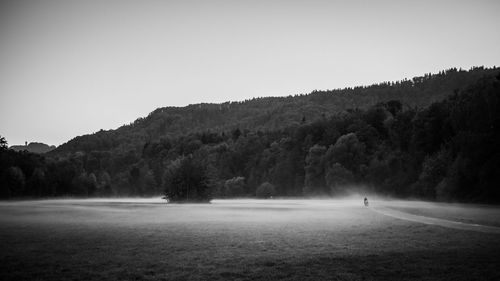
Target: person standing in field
366,202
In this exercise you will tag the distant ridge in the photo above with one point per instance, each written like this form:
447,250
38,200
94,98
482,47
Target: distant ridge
34,147
274,113
434,137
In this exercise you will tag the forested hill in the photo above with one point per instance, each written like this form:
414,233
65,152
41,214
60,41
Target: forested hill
35,147
271,113
389,138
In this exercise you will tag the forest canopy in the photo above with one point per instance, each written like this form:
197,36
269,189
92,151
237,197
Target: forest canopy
432,137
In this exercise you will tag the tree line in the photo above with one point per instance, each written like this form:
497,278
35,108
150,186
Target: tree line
445,151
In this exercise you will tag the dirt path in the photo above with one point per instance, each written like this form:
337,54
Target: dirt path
435,221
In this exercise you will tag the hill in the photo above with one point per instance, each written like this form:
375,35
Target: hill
272,113
434,137
35,147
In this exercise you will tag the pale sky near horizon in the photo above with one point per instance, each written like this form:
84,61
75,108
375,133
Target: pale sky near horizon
69,68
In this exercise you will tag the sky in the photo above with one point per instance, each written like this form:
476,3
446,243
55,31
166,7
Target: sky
69,68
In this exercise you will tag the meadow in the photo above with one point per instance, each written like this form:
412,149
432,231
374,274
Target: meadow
146,239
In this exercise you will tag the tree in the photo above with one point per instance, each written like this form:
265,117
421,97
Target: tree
186,180
236,133
150,185
434,170
234,187
3,143
80,185
14,183
37,182
394,107
375,117
104,184
314,171
337,178
347,151
430,129
135,180
364,140
265,190
91,183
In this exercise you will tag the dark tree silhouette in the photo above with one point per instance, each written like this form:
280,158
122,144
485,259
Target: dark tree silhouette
186,181
434,137
3,143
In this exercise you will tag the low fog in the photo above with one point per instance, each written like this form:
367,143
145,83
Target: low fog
309,239
323,212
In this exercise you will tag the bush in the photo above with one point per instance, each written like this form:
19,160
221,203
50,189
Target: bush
265,190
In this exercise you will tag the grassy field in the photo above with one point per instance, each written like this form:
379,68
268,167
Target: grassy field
145,239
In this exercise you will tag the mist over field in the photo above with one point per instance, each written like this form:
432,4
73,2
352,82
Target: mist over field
289,196
247,239
249,140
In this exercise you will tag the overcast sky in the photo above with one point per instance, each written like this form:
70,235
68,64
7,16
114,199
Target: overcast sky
69,68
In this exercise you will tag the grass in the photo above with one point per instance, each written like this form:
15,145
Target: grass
233,240
466,213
